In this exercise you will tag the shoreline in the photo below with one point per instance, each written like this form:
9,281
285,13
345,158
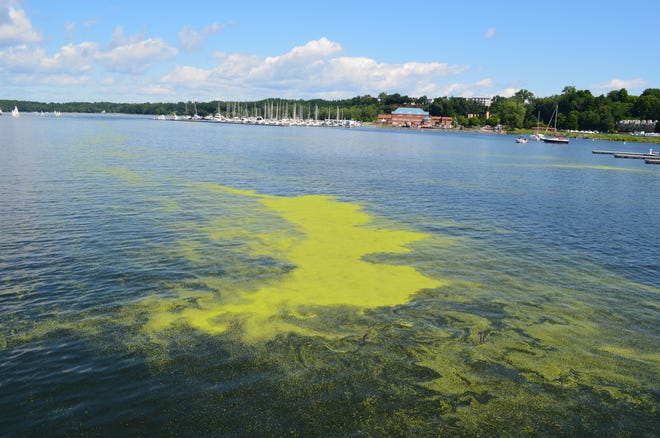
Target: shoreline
526,132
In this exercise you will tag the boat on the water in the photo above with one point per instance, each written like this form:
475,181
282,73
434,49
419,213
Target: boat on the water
522,140
554,138
15,112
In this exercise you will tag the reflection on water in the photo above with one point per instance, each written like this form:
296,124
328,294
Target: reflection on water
238,280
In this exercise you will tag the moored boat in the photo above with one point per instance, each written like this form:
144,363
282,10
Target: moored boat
554,138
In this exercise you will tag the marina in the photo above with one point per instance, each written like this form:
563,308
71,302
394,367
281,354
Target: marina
269,115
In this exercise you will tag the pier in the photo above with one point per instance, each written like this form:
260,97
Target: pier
649,157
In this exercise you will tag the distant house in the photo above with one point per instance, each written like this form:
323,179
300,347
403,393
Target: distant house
413,118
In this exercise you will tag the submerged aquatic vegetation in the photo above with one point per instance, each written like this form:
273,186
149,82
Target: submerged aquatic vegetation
348,322
310,251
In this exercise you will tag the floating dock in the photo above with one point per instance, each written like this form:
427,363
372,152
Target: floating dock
649,157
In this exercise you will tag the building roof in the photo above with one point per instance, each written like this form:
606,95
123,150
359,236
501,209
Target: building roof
410,111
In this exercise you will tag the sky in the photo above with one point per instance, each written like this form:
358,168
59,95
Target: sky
170,51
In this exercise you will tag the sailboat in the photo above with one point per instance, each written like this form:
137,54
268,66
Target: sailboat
14,112
554,138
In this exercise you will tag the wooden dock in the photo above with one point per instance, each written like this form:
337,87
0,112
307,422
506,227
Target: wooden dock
649,157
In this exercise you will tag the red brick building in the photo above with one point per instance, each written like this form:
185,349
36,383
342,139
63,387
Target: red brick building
414,118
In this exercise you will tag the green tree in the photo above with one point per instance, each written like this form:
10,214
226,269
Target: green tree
589,121
647,106
511,113
618,95
572,120
524,96
493,121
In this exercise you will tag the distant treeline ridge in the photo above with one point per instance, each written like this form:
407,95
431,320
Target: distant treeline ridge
578,109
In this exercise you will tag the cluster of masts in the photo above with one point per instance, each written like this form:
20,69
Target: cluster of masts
270,114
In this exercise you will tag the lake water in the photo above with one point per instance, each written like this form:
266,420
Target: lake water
205,279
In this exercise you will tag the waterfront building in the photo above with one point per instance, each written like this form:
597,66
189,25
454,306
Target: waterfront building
414,118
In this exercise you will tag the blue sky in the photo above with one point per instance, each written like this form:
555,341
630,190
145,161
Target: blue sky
153,51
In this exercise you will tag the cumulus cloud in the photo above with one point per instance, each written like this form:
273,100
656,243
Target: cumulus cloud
21,59
190,38
365,73
480,88
313,69
132,56
617,84
507,92
156,90
72,58
187,75
490,33
236,64
301,61
15,27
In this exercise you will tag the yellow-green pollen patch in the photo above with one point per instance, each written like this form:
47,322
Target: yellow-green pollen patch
326,249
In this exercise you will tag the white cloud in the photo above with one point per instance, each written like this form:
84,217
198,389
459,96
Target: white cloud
66,80
507,92
481,88
15,27
490,33
617,84
366,74
484,83
235,65
312,69
79,57
135,56
187,75
299,61
190,38
21,58
156,90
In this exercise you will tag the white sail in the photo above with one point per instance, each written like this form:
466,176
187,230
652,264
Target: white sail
14,112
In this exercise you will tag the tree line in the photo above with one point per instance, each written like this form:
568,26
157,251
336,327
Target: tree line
578,109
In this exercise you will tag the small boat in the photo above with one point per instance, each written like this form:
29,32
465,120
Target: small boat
15,112
522,140
554,138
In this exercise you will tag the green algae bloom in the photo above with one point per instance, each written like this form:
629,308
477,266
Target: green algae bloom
323,242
